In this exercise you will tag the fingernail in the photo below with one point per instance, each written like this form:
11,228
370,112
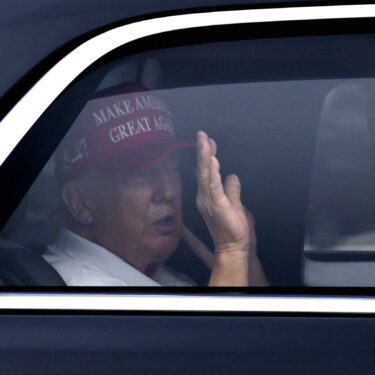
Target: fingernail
201,134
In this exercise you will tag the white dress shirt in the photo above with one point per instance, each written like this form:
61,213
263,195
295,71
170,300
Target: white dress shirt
83,263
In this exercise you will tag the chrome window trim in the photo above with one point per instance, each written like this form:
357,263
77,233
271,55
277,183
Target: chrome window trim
24,114
186,303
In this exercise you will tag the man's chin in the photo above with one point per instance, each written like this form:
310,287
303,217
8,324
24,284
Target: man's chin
165,247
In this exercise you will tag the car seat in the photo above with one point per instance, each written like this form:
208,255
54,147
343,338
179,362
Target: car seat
20,266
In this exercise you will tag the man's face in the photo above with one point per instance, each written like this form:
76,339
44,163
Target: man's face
139,217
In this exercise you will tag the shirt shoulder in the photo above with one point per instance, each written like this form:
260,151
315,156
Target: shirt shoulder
76,272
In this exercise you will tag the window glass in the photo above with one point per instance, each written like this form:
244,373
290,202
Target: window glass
115,205
341,222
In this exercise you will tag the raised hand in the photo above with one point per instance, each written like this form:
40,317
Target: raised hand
220,205
224,215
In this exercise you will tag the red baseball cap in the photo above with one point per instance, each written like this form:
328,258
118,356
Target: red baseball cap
125,129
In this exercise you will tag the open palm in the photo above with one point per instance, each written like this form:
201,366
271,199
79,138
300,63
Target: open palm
220,205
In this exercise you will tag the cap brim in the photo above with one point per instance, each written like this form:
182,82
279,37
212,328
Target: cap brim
139,159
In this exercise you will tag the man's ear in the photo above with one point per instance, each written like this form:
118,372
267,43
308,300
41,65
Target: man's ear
76,201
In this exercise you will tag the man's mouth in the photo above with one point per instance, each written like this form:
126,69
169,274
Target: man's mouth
166,224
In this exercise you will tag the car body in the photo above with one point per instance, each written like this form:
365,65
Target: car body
288,328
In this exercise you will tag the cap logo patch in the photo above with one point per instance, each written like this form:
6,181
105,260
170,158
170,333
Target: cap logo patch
118,129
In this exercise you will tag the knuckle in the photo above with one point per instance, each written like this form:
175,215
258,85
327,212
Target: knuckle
204,174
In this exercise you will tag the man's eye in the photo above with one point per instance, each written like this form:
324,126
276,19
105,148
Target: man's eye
136,178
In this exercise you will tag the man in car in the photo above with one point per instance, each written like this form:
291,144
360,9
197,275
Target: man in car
118,170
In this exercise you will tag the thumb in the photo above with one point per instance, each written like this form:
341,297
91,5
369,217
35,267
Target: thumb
232,188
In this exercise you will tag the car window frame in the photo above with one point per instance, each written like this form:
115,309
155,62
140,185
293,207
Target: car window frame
62,74
246,302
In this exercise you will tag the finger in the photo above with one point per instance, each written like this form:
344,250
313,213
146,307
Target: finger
250,217
232,188
198,247
216,186
203,168
213,147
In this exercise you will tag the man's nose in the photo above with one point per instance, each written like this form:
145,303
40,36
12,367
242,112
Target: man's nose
165,188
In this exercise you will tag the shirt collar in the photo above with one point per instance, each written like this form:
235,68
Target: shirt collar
89,252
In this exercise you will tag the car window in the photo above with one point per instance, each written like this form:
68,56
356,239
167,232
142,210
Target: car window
340,224
291,118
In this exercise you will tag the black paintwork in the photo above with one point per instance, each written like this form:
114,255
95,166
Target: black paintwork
30,31
199,345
